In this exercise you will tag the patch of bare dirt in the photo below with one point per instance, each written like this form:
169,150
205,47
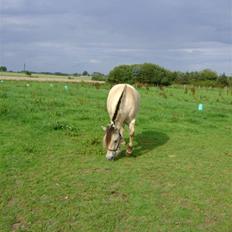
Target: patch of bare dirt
20,223
46,79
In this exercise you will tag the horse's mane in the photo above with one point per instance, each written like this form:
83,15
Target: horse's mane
118,105
109,131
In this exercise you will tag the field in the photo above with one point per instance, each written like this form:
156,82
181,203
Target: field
40,75
54,175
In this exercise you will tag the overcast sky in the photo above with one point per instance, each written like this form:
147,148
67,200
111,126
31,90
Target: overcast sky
96,35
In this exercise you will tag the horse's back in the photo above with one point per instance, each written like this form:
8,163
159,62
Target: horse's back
130,105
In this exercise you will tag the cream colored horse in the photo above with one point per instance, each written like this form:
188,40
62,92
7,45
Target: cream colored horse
122,106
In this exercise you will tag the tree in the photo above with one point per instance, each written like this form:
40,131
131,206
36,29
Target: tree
28,73
97,76
3,69
168,78
121,73
208,74
85,73
147,74
76,74
180,78
223,80
154,74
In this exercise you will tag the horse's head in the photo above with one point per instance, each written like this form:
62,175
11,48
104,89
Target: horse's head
111,141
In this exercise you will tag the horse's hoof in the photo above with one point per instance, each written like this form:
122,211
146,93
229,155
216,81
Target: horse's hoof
129,150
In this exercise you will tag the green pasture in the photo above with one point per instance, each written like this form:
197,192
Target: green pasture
54,175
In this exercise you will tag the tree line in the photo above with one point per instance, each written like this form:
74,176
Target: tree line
29,73
153,74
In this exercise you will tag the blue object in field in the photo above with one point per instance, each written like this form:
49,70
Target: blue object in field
200,107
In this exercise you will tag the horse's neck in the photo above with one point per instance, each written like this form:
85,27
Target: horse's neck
119,123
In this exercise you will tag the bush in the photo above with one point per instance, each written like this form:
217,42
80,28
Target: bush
98,76
208,74
28,73
85,73
121,74
223,80
146,73
3,69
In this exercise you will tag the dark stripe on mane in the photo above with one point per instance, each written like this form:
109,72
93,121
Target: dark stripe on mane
118,105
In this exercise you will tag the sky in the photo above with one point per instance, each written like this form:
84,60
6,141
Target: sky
76,35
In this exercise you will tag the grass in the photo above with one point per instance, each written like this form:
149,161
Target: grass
54,175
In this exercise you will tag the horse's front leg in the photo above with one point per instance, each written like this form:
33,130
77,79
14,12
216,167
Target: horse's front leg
122,136
132,131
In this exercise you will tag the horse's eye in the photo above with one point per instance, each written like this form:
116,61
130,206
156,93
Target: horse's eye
115,141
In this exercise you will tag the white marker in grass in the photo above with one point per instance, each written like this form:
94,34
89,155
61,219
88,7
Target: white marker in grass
66,87
27,85
200,107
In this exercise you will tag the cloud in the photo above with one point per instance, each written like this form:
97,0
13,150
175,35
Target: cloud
94,61
97,35
12,4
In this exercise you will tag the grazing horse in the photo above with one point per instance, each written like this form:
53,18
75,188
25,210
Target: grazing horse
122,106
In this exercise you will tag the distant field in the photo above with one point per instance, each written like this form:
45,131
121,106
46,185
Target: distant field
54,175
36,75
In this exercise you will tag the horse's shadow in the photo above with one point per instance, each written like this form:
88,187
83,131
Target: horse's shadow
146,141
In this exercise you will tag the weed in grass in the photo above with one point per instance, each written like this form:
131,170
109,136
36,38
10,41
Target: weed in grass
64,126
193,90
3,109
185,89
174,117
163,94
97,85
3,95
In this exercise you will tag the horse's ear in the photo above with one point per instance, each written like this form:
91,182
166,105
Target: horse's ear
103,128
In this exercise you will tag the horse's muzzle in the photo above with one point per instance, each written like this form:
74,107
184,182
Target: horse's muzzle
110,155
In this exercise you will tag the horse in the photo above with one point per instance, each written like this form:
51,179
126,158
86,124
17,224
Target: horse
122,106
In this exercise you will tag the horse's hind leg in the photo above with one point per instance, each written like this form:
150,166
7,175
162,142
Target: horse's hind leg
132,130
